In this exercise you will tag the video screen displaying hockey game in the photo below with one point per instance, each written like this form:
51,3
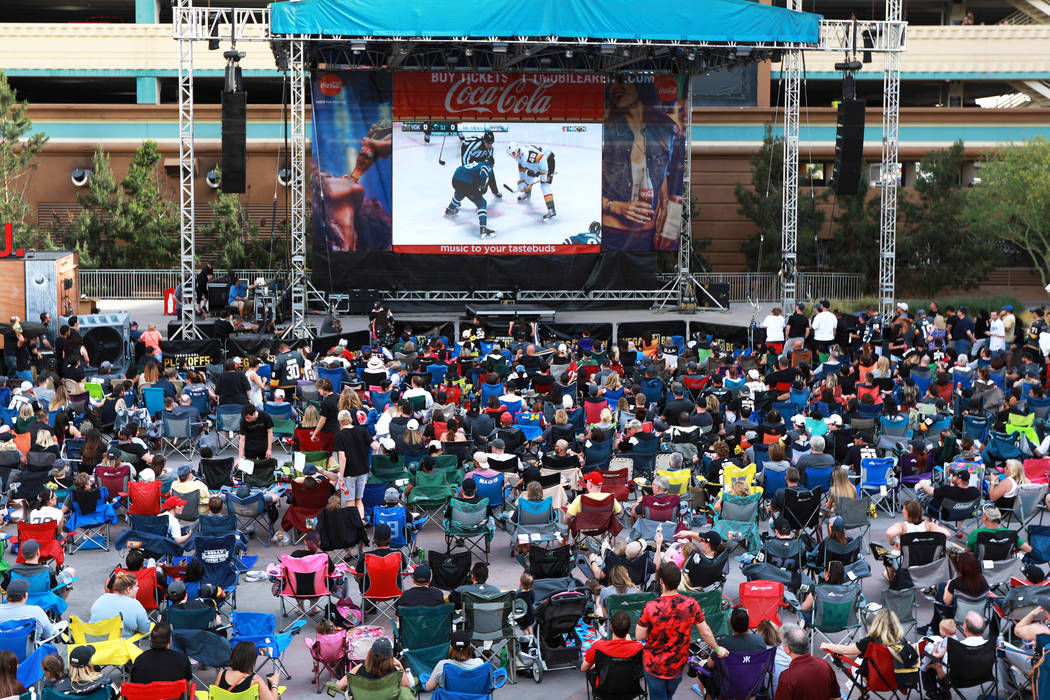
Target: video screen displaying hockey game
502,188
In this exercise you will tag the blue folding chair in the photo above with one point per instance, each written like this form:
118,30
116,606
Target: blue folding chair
818,477
261,630
218,554
512,405
40,592
800,399
334,375
491,487
490,390
786,409
16,636
644,454
437,373
961,382
153,397
872,411
922,382
874,482
278,410
402,535
976,427
653,389
474,684
596,455
773,480
531,424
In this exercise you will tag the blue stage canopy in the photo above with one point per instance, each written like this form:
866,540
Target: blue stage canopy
730,21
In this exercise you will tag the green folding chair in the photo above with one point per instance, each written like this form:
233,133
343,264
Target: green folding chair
469,526
716,616
630,603
386,469
422,635
430,494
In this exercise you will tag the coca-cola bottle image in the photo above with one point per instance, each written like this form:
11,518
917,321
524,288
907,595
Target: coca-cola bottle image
366,157
645,188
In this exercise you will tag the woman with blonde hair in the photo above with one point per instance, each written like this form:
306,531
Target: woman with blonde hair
1003,489
349,400
882,368
618,582
612,382
310,417
45,442
885,630
26,416
841,488
740,491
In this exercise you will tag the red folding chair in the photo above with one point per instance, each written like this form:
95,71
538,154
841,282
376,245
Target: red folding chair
144,497
159,690
1037,470
382,585
304,439
876,672
114,479
616,483
763,600
308,502
47,536
149,593
596,518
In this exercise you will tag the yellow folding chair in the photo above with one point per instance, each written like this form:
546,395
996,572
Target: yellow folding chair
678,479
732,474
111,649
214,692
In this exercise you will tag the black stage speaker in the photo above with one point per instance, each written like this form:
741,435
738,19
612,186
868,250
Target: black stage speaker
719,290
218,296
234,116
849,147
106,336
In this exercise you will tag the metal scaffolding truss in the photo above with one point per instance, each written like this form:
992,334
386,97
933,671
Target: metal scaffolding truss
528,54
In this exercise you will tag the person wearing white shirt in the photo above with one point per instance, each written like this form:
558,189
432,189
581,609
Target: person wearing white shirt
824,325
774,324
997,335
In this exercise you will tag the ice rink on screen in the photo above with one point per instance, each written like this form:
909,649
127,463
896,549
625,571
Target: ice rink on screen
422,187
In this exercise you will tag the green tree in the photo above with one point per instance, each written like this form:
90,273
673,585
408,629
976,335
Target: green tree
762,203
936,248
1012,201
133,225
99,206
18,151
856,234
147,229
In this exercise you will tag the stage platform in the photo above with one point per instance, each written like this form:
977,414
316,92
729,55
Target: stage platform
739,315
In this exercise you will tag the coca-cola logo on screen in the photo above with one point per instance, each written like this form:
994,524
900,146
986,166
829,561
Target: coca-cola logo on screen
331,85
522,97
667,89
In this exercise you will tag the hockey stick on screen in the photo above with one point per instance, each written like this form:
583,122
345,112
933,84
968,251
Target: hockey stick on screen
441,153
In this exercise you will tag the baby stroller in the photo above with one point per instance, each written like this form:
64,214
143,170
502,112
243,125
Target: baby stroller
555,644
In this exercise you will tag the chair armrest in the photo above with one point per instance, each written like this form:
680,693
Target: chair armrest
500,678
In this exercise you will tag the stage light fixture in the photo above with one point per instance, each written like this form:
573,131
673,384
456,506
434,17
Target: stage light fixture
690,56
80,176
568,53
233,81
284,177
468,52
211,178
499,47
608,49
357,46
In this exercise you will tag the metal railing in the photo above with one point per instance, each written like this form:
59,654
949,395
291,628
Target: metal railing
757,286
149,284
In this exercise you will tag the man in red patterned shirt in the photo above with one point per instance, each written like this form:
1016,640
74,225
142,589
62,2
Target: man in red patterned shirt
665,626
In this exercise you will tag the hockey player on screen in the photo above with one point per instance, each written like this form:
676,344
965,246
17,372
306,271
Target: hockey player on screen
534,166
469,182
478,149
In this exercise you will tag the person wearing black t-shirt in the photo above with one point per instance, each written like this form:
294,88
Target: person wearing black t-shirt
797,328
288,367
329,418
422,594
350,446
159,663
256,440
223,327
784,374
959,491
677,405
232,386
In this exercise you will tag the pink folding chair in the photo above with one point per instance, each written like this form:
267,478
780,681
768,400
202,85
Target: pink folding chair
304,587
330,655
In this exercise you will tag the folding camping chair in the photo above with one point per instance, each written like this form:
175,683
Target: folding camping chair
1028,504
874,483
403,534
616,678
252,515
855,514
597,517
903,603
762,600
470,526
261,630
802,510
430,494
925,556
972,666
304,587
144,497
382,584
111,648
876,673
218,553
328,654
228,425
159,690
996,550
179,435
738,521
488,619
742,674
449,570
478,683
307,502
836,610
422,635
955,515
90,519
630,603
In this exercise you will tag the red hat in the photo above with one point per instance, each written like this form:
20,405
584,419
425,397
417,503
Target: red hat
595,478
506,418
172,501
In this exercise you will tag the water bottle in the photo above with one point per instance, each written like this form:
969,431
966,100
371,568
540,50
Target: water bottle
422,555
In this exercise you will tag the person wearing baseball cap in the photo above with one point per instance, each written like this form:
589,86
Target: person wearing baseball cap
381,537
958,491
593,483
172,508
460,653
422,593
991,521
16,608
